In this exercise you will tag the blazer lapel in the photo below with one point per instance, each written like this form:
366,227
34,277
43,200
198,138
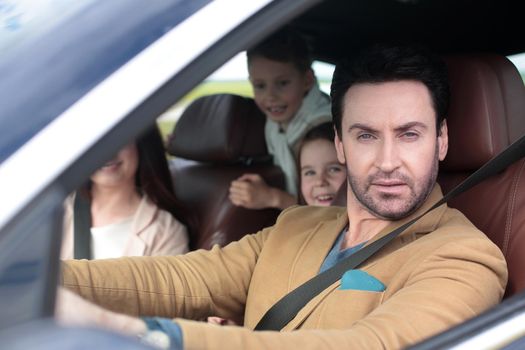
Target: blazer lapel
317,250
309,259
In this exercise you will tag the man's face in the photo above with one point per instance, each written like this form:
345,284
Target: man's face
390,146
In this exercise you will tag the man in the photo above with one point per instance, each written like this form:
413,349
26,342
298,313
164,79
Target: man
388,108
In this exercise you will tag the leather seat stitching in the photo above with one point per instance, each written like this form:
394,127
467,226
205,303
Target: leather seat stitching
510,209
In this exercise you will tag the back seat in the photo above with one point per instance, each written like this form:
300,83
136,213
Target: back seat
217,139
487,113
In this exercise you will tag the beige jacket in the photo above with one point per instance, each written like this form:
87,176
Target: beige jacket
438,273
154,232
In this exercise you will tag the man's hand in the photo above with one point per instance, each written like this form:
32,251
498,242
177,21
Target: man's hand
252,192
72,310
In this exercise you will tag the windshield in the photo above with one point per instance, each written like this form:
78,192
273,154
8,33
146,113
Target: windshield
55,51
22,20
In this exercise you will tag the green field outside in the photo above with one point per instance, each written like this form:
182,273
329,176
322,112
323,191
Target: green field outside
238,87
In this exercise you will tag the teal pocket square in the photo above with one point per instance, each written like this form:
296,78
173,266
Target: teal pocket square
360,280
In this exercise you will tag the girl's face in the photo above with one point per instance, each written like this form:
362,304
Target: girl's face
120,170
321,172
278,88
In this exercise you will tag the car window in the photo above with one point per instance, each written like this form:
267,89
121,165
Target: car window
231,78
519,62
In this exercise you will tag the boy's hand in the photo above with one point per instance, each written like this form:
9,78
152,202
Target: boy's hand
252,192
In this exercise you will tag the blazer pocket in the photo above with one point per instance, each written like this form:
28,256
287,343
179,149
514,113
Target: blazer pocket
343,307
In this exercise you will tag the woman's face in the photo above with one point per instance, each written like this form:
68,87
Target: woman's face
120,170
321,172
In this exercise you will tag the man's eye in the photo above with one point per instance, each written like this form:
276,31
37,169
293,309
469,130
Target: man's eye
365,136
283,83
410,135
309,173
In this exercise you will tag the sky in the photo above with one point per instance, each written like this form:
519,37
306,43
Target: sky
235,69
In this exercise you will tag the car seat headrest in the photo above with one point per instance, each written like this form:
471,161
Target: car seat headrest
486,112
220,128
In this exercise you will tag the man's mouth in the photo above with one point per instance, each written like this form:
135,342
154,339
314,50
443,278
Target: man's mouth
388,183
393,186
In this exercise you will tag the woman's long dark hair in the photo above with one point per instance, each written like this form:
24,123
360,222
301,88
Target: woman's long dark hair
153,177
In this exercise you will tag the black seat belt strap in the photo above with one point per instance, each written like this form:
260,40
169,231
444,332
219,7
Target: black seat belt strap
82,227
282,312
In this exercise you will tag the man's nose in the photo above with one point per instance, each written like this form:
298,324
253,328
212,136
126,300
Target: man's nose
388,159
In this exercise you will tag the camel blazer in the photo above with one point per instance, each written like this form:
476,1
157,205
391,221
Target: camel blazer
153,231
438,273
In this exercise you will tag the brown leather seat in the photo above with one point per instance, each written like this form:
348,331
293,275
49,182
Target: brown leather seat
217,139
487,113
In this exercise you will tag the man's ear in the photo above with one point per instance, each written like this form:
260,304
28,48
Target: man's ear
339,149
443,140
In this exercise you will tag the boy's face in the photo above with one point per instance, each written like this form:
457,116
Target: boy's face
278,88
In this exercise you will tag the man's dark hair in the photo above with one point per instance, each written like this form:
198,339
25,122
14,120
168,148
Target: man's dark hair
386,63
285,46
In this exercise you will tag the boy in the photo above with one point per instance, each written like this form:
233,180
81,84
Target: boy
286,90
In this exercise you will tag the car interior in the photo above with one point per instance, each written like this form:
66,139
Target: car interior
221,136
487,114
217,139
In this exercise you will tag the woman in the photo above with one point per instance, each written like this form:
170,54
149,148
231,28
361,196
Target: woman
128,207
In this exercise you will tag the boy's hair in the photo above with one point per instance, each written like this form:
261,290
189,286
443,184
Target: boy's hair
285,46
386,63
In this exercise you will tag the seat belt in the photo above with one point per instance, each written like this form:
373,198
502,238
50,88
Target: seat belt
81,227
282,312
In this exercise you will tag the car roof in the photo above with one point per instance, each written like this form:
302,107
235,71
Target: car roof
339,28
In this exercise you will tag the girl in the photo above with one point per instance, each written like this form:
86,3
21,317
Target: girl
321,174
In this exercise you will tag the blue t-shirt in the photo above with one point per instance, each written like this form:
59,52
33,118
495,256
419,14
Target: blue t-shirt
336,254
